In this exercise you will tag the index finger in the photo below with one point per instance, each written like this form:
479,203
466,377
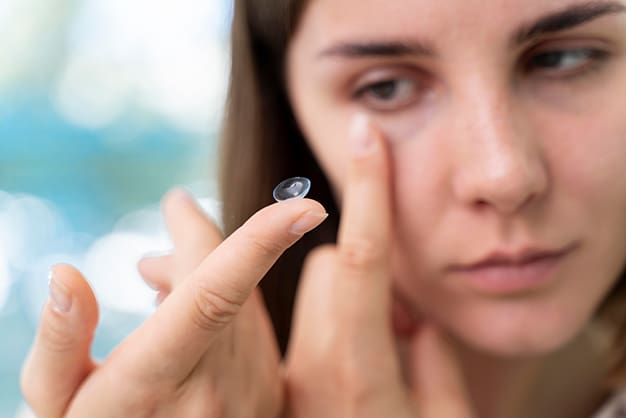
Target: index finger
342,318
191,318
366,221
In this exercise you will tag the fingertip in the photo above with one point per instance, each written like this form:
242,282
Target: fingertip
175,198
177,194
321,256
142,265
70,284
60,356
158,272
315,206
296,206
188,222
145,265
365,139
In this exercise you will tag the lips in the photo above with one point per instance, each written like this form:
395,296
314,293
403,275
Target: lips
512,259
511,271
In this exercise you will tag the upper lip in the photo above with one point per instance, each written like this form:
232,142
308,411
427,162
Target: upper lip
503,258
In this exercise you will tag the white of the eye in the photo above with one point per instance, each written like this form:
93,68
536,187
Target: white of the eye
404,89
573,59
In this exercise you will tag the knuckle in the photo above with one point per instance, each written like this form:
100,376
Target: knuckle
35,403
363,399
337,368
358,388
55,336
213,403
213,311
267,248
360,254
323,252
138,393
29,388
36,392
447,408
212,399
144,400
322,255
343,367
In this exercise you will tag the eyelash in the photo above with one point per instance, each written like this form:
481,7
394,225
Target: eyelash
593,58
368,93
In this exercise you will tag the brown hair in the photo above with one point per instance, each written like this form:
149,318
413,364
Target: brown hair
612,313
262,145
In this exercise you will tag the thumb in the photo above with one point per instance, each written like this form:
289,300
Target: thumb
436,376
60,357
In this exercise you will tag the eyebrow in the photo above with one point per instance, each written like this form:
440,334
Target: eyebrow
555,22
566,19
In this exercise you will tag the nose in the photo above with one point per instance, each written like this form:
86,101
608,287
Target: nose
500,163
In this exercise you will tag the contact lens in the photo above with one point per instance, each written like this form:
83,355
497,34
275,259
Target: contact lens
293,188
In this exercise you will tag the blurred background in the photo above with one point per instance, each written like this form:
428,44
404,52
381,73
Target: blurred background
104,106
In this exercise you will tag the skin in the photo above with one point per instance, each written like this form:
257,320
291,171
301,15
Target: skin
494,159
175,363
485,146
208,350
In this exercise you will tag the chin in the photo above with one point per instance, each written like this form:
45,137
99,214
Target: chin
515,329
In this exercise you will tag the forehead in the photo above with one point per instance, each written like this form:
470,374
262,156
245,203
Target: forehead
434,19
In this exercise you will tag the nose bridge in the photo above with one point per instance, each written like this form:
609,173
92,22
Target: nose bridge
500,163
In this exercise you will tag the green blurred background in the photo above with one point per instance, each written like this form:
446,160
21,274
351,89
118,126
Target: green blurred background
104,106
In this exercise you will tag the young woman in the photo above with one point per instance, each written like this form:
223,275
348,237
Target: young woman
475,151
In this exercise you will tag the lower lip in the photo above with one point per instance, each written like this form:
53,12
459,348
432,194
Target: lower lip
512,278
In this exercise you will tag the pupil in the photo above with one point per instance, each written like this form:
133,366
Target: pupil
551,59
557,58
384,90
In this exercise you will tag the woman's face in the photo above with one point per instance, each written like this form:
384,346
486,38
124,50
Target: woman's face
506,124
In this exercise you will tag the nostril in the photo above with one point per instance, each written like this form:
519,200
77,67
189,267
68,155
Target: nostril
504,200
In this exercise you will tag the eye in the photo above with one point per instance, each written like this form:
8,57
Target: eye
566,63
389,94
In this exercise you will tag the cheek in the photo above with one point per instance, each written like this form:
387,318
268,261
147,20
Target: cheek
589,175
421,208
589,162
586,200
589,154
423,201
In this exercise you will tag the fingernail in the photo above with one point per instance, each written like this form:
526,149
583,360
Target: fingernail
307,222
360,138
59,295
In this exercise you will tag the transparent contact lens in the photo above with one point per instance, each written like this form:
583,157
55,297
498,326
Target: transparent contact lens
293,188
